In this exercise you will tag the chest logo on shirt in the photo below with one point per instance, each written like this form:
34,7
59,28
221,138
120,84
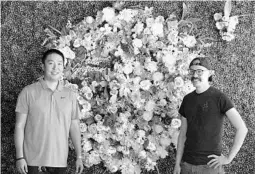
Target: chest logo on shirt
205,107
62,97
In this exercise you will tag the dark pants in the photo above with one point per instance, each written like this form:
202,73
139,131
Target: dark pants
46,170
187,168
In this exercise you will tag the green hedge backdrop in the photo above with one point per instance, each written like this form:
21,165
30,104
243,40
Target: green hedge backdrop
22,32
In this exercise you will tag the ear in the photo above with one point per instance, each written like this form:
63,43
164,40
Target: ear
42,66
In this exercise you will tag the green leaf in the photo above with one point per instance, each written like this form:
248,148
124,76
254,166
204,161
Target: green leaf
184,11
227,8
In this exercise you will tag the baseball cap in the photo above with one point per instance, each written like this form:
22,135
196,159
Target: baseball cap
201,61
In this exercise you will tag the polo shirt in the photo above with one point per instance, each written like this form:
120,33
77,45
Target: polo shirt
49,116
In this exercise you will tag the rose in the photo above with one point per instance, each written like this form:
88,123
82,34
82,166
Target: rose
83,127
98,117
151,146
176,123
142,154
178,82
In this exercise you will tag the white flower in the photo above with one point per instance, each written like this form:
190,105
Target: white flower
127,14
108,14
87,146
151,146
83,127
137,43
150,105
89,20
68,53
162,102
142,154
157,29
147,115
178,82
145,84
158,129
176,123
138,69
128,68
151,66
217,16
165,141
77,43
157,76
86,107
221,25
149,22
138,28
169,59
189,41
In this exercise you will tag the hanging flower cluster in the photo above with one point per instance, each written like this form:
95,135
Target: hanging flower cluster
226,24
130,70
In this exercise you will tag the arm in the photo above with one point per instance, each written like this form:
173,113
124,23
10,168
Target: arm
181,142
76,139
241,131
19,140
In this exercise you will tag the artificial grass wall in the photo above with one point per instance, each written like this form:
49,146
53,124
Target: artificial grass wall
22,32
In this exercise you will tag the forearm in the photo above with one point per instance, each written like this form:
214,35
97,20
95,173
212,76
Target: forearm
180,148
238,142
76,137
19,140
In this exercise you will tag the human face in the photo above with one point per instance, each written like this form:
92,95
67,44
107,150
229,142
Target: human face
199,75
53,67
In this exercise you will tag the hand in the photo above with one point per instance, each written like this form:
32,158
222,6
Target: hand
79,166
21,166
218,161
177,169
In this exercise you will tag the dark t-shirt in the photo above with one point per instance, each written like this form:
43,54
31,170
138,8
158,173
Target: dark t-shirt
204,113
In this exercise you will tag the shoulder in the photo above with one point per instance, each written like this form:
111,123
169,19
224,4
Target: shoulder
216,92
30,88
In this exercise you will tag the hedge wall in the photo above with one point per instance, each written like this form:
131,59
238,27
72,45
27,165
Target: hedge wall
22,32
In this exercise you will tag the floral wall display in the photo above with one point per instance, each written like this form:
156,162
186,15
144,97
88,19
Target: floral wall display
130,71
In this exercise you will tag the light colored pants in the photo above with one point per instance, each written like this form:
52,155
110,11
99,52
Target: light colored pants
187,168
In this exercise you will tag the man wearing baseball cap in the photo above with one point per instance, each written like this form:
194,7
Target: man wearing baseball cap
202,113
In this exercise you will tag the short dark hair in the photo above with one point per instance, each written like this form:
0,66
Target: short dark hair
51,51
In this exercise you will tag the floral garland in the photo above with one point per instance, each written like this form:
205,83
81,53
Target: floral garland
130,70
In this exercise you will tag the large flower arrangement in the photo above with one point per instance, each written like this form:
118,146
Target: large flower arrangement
129,69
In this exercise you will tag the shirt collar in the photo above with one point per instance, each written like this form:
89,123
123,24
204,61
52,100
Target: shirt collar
45,86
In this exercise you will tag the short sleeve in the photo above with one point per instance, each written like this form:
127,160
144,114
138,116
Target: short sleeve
225,104
76,113
181,110
22,102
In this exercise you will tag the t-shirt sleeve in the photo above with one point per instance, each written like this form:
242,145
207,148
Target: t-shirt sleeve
76,113
22,102
181,110
225,103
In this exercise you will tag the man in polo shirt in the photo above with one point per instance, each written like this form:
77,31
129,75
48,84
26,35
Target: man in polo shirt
202,114
46,113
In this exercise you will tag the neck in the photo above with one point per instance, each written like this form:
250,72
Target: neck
51,84
202,89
